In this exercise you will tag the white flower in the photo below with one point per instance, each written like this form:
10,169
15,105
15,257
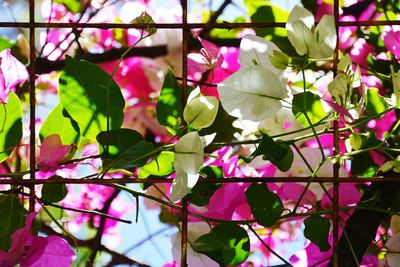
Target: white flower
189,157
255,91
316,43
393,247
200,111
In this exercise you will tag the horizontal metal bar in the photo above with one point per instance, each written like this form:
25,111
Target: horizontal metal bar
205,181
224,25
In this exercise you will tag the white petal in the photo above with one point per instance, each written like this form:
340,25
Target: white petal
194,259
393,246
252,93
325,36
300,14
201,111
207,139
182,185
255,50
189,153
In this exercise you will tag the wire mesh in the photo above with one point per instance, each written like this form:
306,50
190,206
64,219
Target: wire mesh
186,27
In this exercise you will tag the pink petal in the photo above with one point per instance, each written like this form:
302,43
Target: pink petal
51,251
211,48
52,152
13,72
339,109
197,63
21,237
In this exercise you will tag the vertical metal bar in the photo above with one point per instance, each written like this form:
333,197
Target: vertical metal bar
32,101
336,166
185,39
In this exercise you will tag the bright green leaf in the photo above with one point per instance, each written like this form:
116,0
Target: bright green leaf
75,6
227,244
278,154
169,107
317,230
60,122
10,125
54,192
374,103
310,104
90,96
265,205
161,165
5,44
12,217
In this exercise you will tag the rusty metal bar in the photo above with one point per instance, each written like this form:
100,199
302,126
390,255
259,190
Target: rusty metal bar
28,182
336,151
32,102
185,48
216,25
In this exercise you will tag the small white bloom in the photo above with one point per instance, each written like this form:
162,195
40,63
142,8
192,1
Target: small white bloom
316,43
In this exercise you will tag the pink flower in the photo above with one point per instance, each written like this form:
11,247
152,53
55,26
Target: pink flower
391,39
52,152
136,76
209,58
12,72
34,251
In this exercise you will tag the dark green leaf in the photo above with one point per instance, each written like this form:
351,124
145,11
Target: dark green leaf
52,193
169,107
202,192
363,165
60,122
227,244
265,205
374,103
90,96
310,104
222,126
124,147
10,125
75,6
268,12
278,154
317,230
12,217
135,156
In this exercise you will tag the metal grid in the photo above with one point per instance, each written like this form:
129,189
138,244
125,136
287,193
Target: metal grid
32,25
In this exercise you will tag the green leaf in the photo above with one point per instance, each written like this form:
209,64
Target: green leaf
265,205
278,154
60,122
52,193
10,125
118,142
267,12
227,244
169,107
374,103
317,230
5,44
202,192
75,6
161,165
135,156
90,96
310,104
12,217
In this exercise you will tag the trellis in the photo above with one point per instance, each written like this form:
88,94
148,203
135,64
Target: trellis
186,27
